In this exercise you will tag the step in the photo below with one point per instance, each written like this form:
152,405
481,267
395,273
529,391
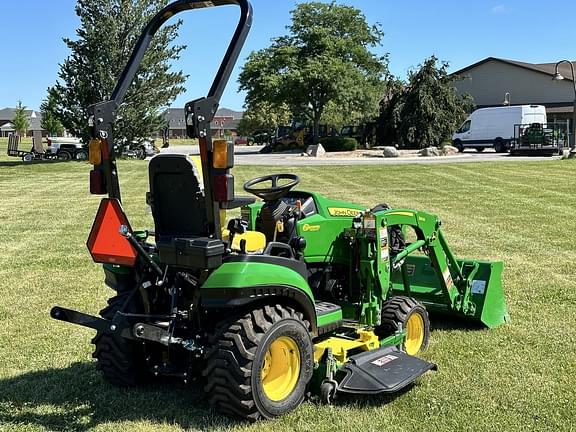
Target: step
328,316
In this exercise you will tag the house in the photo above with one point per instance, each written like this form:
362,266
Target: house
223,125
7,125
495,81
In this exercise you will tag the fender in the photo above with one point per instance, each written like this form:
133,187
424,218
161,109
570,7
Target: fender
239,283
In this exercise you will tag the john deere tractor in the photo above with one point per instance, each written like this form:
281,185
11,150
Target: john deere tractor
301,294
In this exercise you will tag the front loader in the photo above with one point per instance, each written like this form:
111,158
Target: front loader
300,294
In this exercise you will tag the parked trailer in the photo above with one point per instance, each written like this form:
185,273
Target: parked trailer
37,152
540,139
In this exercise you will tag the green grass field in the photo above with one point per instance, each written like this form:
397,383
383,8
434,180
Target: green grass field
519,377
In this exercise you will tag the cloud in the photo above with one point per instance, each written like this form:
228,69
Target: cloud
499,9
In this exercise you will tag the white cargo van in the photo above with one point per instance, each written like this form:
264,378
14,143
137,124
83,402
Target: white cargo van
494,127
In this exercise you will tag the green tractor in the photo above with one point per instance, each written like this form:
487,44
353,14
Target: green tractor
299,295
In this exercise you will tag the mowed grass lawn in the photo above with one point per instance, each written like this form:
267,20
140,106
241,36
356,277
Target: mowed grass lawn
519,377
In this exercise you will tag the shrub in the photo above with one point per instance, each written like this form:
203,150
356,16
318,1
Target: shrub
334,144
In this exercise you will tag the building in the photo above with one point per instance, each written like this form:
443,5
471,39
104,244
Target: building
224,124
7,127
495,81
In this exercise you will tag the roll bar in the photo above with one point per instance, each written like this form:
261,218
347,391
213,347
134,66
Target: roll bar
199,113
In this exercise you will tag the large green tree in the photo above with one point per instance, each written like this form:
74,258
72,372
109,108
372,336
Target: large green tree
425,111
263,118
324,62
20,120
107,34
51,123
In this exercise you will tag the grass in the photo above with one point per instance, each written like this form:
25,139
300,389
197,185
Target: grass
519,377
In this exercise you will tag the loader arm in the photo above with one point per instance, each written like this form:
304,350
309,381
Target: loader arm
469,288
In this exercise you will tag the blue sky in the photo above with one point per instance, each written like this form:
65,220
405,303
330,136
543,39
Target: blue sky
461,32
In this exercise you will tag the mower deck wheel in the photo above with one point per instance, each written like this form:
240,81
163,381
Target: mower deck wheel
260,363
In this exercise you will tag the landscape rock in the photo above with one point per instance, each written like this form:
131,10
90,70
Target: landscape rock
429,152
315,150
391,152
448,150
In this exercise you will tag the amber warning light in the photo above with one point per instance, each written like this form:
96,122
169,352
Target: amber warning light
105,243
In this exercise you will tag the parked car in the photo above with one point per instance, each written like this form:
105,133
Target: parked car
494,127
244,141
67,148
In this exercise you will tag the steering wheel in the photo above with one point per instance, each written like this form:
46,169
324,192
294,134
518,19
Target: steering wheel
275,191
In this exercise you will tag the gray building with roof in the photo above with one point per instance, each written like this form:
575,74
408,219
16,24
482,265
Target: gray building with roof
7,117
493,80
224,124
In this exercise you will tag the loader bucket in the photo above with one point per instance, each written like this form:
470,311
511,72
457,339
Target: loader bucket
486,290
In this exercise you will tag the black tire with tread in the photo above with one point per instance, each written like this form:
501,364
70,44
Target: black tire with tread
233,363
398,309
121,361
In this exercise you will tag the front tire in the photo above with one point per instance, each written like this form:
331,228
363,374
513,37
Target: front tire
260,364
412,316
458,144
121,361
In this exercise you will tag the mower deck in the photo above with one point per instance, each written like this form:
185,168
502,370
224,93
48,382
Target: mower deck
384,370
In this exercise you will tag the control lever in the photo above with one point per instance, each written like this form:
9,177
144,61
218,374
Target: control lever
125,232
236,226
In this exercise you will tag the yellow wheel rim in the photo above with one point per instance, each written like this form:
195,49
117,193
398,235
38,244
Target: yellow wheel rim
281,368
414,334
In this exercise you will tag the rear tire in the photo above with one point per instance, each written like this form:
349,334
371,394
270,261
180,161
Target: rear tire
260,364
27,157
413,318
121,361
64,155
499,146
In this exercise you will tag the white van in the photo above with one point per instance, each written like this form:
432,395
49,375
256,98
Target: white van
494,127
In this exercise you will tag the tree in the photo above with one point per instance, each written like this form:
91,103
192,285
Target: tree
50,122
427,110
325,61
20,120
263,118
108,32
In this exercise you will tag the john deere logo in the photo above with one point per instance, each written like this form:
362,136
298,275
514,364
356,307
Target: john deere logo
308,227
340,211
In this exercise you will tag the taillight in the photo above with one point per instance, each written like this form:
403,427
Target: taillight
97,183
224,187
49,142
105,243
95,151
223,154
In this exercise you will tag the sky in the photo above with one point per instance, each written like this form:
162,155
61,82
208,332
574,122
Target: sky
460,32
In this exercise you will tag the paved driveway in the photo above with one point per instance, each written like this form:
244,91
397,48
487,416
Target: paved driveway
245,155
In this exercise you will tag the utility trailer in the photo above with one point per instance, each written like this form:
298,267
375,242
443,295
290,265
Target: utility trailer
37,152
546,139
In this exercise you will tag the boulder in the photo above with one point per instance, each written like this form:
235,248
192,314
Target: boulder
429,152
448,150
391,152
315,150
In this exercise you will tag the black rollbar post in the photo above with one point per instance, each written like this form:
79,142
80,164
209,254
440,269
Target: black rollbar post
103,114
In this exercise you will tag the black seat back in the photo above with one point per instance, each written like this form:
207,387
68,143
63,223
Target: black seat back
176,198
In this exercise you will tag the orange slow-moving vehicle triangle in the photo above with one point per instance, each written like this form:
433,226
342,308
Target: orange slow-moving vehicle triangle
105,243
